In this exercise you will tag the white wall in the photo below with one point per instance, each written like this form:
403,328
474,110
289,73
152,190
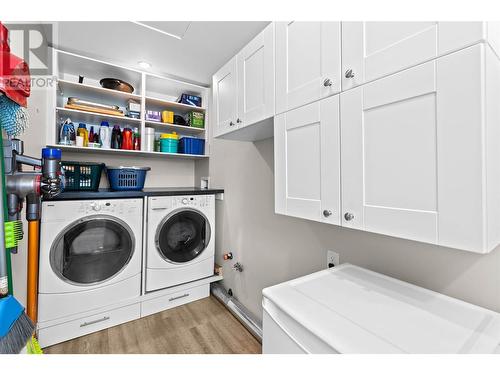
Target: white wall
275,248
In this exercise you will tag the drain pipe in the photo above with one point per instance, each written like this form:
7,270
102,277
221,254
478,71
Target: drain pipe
238,310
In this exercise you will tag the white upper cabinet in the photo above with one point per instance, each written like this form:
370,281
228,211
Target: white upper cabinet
225,97
417,147
307,162
243,91
372,50
256,79
307,62
400,136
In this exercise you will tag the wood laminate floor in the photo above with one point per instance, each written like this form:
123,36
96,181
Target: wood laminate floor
203,326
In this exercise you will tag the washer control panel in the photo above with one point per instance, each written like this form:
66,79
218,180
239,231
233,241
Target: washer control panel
75,209
110,206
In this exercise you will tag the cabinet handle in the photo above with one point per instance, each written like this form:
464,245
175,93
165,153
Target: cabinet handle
231,123
327,213
327,82
349,73
178,297
238,121
348,216
85,324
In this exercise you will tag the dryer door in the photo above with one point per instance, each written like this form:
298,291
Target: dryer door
92,250
183,235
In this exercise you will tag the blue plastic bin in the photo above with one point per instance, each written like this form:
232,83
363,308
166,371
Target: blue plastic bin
191,145
127,178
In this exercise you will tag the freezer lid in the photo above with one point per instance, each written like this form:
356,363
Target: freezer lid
355,310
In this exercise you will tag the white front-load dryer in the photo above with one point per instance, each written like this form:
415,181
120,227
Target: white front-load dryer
180,240
90,255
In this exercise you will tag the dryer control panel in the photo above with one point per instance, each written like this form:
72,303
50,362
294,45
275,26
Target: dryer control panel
193,201
173,202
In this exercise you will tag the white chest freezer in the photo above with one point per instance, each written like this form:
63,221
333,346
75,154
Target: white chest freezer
348,309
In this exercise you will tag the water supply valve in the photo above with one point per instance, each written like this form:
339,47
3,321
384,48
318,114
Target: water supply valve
228,256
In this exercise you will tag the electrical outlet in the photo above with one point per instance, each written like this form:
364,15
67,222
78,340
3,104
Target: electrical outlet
332,258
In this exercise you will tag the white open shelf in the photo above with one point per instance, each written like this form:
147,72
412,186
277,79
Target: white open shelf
126,152
92,93
163,127
70,66
152,92
169,105
95,118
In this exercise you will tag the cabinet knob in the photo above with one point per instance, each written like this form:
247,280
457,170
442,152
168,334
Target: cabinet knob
327,82
238,121
231,123
348,216
349,73
327,213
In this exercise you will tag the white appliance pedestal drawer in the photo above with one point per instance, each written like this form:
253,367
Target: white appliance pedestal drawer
83,326
180,297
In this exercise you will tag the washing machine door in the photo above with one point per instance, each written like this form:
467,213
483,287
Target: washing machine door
92,250
183,235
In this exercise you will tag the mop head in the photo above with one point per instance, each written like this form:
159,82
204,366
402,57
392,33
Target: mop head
13,117
16,329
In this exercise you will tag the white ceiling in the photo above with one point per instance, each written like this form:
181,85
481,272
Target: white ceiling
193,51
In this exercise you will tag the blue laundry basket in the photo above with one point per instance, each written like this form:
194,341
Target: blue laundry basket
127,178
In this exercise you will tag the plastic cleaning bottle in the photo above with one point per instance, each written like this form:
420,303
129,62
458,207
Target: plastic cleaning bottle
127,141
105,135
91,135
83,132
116,138
137,139
67,133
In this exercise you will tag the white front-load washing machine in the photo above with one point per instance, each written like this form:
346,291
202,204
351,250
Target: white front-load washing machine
90,255
180,240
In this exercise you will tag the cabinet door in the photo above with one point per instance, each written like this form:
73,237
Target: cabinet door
256,79
371,50
224,84
307,62
411,153
307,161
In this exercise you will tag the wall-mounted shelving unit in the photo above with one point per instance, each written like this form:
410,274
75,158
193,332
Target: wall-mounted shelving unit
152,92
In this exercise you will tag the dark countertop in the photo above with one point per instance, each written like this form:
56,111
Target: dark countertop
147,192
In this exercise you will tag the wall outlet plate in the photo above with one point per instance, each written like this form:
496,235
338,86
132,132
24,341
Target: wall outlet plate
332,258
205,182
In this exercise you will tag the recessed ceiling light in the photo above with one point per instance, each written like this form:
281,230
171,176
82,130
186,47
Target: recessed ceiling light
144,64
